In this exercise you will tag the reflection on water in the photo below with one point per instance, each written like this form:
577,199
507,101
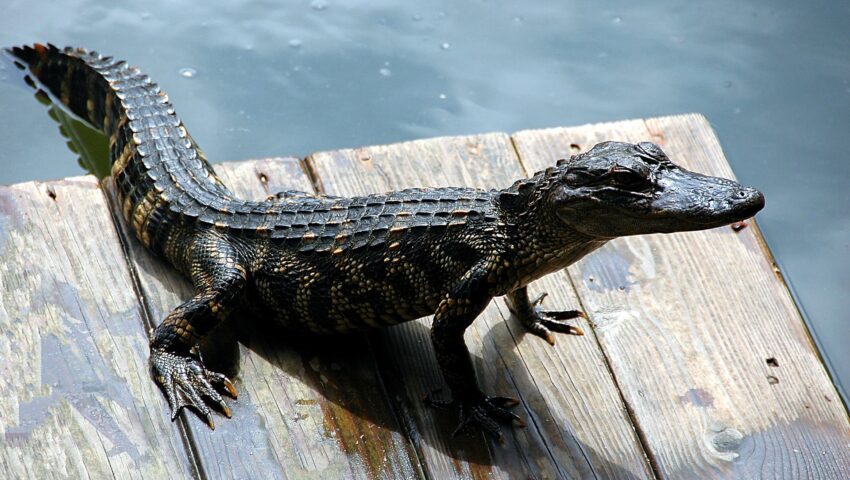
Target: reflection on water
91,146
252,81
187,72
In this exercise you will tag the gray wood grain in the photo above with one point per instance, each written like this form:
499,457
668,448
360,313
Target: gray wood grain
577,426
307,408
77,397
705,342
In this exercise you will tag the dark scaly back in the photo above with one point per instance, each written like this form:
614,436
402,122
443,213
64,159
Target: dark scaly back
338,224
160,173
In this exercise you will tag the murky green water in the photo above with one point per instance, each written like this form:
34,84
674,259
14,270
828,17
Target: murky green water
254,79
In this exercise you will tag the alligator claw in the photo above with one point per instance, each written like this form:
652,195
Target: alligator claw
231,390
543,322
537,301
210,422
504,402
185,380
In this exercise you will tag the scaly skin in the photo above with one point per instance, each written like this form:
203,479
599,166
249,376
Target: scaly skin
332,264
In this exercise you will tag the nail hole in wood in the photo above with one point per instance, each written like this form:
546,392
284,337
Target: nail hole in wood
773,362
772,380
51,193
575,148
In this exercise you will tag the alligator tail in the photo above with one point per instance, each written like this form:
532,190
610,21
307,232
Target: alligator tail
63,73
161,175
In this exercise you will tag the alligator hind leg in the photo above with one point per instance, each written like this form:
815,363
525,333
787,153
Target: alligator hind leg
175,359
541,322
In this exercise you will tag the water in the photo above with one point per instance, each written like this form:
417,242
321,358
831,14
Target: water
187,72
773,76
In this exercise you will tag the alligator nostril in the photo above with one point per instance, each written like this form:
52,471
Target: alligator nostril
742,194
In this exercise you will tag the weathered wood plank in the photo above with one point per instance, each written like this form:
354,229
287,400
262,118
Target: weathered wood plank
77,397
707,346
303,411
578,426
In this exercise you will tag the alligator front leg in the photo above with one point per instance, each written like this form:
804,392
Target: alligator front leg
454,314
541,322
175,357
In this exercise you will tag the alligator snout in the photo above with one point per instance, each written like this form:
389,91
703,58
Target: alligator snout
747,201
692,201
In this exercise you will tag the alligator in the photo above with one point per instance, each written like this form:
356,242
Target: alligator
329,264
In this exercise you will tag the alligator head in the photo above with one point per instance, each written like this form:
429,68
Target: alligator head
618,189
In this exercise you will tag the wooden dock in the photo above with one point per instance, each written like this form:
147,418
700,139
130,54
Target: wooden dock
696,363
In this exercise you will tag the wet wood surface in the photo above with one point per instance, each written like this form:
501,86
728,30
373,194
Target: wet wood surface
695,362
77,400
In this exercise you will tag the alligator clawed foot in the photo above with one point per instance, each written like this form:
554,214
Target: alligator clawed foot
185,380
481,411
543,322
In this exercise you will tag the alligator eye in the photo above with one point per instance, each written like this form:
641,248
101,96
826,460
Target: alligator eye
578,177
650,149
629,180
